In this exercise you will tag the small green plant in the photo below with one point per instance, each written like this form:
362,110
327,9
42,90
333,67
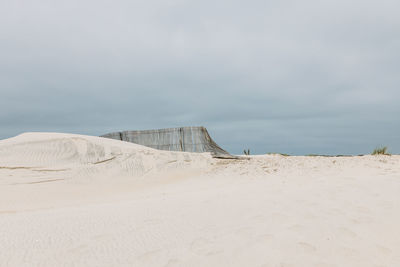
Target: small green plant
380,151
246,152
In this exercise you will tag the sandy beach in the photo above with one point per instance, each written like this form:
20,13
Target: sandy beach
75,200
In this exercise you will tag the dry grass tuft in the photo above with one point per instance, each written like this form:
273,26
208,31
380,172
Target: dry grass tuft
380,151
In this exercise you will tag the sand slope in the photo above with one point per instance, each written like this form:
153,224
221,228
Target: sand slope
73,200
83,157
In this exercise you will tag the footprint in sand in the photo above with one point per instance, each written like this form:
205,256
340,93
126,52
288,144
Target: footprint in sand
245,231
259,218
149,255
172,263
306,247
152,221
348,252
345,232
202,246
384,250
363,209
362,220
296,227
324,264
278,217
265,238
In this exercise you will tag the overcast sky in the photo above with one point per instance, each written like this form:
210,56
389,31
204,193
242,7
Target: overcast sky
295,77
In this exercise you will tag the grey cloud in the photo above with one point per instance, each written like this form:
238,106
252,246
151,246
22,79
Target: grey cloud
286,76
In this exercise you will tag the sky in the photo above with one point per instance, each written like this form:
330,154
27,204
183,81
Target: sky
295,77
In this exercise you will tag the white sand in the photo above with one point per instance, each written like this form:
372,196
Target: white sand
71,200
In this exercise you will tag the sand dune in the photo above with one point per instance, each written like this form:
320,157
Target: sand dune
74,200
82,157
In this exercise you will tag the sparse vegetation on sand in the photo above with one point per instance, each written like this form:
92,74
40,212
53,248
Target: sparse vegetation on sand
329,156
282,154
380,151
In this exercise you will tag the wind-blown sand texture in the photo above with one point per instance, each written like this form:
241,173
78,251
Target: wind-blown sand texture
73,200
